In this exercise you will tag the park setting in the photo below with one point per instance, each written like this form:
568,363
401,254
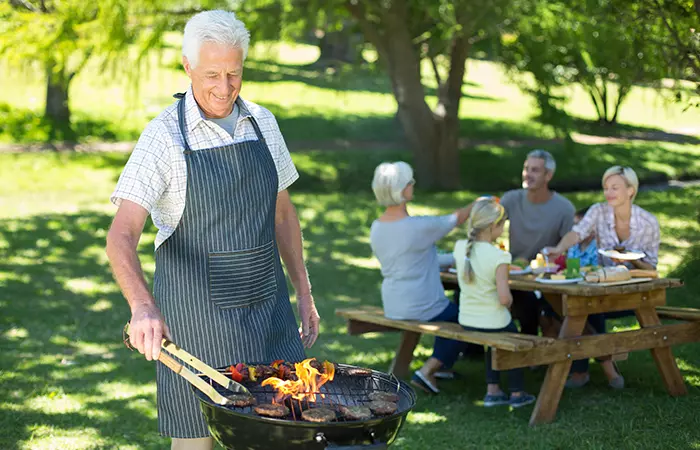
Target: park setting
463,91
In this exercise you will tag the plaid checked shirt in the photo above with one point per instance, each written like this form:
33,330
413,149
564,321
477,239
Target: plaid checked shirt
155,176
645,235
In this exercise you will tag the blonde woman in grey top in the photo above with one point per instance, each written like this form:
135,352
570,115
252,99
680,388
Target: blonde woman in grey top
410,264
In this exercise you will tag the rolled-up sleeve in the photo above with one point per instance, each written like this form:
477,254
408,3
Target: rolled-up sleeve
286,171
146,174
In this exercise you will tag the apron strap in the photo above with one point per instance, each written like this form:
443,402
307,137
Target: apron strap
257,128
181,120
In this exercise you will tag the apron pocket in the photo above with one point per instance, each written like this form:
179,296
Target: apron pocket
242,278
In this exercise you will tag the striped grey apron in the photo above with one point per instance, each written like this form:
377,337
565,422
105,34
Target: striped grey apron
218,280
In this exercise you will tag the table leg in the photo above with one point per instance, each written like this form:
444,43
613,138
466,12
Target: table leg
663,356
553,385
404,354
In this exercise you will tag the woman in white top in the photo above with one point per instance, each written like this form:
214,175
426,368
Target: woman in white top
485,296
410,264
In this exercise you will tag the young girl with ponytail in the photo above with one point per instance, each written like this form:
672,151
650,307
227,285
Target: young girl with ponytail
485,297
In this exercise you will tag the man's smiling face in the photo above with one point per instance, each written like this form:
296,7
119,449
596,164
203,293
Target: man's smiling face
217,78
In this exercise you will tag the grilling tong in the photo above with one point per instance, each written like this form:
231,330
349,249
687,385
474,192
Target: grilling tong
196,380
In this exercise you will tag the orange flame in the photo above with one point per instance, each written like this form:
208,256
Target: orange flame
309,381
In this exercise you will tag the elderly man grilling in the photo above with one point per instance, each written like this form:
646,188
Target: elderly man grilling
212,170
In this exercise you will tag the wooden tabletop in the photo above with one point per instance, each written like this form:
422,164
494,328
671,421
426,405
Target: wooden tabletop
528,283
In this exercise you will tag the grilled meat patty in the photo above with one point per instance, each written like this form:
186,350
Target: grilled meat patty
272,410
383,396
357,371
318,415
382,408
355,412
241,400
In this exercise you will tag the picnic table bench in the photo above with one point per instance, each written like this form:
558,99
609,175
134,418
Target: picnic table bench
370,319
573,303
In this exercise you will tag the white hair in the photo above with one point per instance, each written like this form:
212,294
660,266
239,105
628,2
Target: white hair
390,179
549,163
217,26
627,173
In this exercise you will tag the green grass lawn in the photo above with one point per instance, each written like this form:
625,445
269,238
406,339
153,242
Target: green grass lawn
67,381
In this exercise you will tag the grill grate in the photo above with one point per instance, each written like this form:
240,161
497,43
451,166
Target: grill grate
346,390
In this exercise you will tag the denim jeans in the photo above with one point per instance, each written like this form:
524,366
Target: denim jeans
447,350
516,377
526,309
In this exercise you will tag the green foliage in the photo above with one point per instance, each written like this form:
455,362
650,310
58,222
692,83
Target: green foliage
581,41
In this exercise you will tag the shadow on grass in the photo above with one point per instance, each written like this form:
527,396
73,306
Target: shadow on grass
61,318
493,169
635,132
300,129
26,126
65,372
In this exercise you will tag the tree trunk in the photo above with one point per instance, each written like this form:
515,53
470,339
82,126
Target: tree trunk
432,137
605,102
447,117
57,111
594,99
621,95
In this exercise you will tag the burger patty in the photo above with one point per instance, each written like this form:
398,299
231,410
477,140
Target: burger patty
357,371
383,396
272,410
382,408
241,400
355,412
318,415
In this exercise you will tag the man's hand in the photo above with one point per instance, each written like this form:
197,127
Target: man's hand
309,319
552,252
146,330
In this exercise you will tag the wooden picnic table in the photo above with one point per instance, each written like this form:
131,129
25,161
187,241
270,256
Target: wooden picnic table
574,303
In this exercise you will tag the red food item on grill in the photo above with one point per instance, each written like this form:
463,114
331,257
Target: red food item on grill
317,365
285,372
235,374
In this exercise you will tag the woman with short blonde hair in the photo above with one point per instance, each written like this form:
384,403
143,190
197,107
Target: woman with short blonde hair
410,264
617,223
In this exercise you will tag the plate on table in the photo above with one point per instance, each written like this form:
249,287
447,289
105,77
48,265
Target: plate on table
566,281
627,255
550,268
524,271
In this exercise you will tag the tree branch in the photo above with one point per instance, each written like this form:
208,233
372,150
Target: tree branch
371,32
458,58
435,70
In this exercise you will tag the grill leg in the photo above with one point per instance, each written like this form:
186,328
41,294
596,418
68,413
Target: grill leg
404,355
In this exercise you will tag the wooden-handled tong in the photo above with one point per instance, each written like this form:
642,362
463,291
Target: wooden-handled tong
197,381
